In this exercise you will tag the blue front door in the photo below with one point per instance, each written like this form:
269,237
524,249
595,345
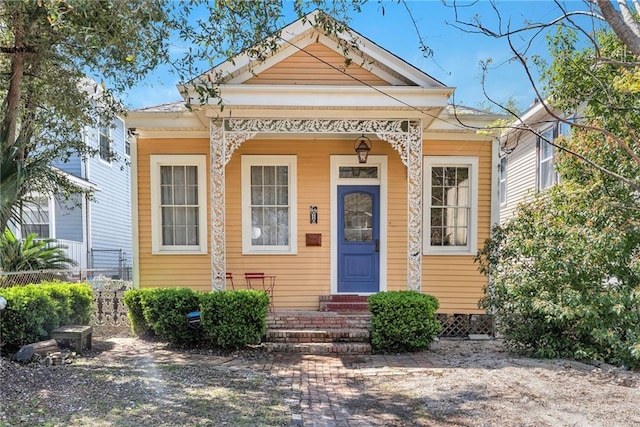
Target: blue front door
358,238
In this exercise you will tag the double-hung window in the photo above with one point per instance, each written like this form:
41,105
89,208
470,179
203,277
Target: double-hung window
178,203
502,174
547,175
104,142
268,204
451,204
36,218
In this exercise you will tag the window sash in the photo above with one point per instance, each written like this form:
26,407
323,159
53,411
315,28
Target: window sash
450,204
36,218
104,142
178,203
546,169
268,186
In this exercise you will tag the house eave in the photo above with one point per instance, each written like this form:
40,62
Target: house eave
330,96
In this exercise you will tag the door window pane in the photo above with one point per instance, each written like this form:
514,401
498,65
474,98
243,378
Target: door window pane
358,217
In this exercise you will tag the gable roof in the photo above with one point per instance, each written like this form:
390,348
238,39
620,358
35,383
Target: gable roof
310,76
299,35
367,76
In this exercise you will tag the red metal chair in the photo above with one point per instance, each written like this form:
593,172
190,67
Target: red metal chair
267,284
230,278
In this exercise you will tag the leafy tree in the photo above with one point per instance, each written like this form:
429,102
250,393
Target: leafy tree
224,29
594,72
48,47
565,269
47,50
565,276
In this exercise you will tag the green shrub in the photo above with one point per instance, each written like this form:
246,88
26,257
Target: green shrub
565,273
33,311
133,301
73,302
81,303
403,321
165,311
233,319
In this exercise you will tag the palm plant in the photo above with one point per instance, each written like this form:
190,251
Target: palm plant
28,255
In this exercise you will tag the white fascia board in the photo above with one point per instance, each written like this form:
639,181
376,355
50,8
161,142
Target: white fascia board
160,133
309,113
77,181
333,96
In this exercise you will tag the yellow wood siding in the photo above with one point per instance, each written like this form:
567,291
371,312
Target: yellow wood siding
305,276
193,271
454,279
316,65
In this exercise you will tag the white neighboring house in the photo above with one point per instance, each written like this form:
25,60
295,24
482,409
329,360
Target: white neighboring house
527,161
96,232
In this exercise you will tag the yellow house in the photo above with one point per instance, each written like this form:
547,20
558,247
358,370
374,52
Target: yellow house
272,182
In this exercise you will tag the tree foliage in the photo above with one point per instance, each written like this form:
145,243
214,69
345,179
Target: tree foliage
48,48
594,70
565,276
565,270
221,30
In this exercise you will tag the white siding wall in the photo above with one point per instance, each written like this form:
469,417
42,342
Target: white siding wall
111,210
521,175
68,215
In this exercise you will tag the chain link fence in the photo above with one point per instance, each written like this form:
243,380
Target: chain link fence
111,263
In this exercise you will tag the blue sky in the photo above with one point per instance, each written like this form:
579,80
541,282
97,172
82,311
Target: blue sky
456,54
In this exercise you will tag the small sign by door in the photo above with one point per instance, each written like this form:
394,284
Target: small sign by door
313,214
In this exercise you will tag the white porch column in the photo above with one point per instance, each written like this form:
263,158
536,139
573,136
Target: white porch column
223,144
414,201
408,143
216,195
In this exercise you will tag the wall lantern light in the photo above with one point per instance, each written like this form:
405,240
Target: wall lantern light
363,148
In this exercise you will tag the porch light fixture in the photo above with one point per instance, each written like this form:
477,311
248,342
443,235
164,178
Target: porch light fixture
363,148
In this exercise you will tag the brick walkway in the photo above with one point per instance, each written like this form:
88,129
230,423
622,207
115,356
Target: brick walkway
320,384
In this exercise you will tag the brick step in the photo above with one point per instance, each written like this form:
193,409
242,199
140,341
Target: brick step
320,348
347,307
318,335
344,298
344,303
317,320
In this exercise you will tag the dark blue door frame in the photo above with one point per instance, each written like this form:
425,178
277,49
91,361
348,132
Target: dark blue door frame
358,239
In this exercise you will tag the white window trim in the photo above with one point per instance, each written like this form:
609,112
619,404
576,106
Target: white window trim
472,242
156,161
268,160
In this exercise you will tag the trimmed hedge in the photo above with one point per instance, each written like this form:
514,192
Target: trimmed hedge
403,321
33,311
234,319
229,319
133,301
165,311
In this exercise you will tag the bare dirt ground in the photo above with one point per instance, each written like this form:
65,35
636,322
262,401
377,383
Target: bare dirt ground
130,382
